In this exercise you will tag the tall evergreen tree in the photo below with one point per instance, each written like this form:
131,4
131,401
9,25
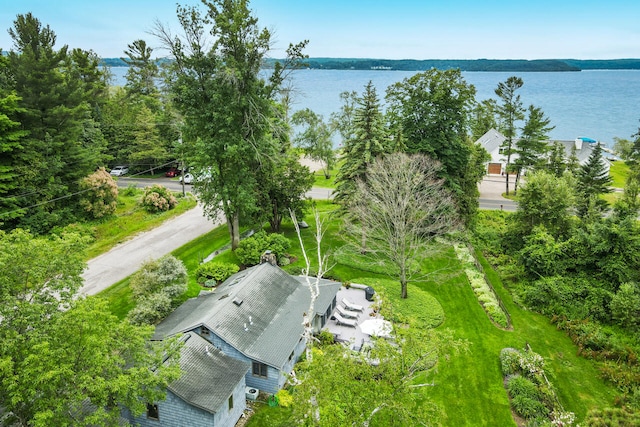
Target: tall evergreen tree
57,89
557,164
532,146
142,70
593,181
510,112
369,140
10,151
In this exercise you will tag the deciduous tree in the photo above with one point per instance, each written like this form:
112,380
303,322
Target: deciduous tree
401,206
63,360
225,102
315,138
431,110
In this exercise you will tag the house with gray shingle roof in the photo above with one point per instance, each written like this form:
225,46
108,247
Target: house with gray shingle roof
210,391
492,141
255,316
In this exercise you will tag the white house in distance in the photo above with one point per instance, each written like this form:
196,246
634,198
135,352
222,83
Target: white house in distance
493,140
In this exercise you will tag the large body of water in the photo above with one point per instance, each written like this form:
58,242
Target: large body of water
599,104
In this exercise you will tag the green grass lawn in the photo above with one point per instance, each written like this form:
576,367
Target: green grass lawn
468,385
129,219
618,173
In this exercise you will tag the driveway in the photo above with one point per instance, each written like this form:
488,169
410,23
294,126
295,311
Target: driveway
126,258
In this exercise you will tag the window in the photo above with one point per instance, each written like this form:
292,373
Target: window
231,402
152,412
291,355
259,370
204,332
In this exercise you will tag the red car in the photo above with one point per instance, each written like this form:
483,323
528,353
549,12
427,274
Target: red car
172,172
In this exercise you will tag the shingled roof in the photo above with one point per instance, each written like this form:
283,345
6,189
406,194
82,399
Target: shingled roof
208,376
258,311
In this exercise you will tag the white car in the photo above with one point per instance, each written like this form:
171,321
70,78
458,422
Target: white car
119,171
187,178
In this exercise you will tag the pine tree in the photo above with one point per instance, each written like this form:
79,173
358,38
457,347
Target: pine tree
510,112
369,140
593,181
532,146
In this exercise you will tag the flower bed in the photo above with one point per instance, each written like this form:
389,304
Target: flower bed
531,394
481,288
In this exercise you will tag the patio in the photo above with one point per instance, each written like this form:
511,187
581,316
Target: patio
348,334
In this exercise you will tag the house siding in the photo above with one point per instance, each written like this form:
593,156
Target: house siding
173,411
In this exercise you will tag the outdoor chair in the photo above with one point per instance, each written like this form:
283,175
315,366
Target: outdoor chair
346,322
351,306
347,313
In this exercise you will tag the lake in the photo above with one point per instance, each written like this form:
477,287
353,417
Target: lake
600,104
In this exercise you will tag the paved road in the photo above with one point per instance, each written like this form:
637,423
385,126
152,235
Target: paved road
126,258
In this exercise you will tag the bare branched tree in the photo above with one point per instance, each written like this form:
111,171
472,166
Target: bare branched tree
313,283
401,206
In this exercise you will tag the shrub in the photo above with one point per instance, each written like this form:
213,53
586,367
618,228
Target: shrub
251,249
167,274
284,398
481,288
151,309
528,407
158,199
509,361
325,337
218,271
518,385
100,197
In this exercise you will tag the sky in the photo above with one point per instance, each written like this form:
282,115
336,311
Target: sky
391,29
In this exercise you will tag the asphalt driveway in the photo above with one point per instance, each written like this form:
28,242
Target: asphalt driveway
126,258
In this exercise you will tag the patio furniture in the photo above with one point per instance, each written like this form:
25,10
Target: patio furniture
377,328
346,322
347,313
351,306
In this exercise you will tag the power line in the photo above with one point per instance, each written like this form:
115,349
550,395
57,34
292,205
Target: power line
66,196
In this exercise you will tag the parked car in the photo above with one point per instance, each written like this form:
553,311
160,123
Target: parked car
119,171
172,172
187,178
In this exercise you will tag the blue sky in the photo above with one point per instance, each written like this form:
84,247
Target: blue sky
393,29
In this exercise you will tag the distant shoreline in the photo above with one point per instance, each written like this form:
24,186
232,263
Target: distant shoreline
486,65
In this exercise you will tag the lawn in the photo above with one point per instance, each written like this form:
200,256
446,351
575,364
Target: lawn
129,219
469,385
618,172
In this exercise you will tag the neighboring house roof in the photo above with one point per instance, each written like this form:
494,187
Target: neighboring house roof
491,140
258,311
208,376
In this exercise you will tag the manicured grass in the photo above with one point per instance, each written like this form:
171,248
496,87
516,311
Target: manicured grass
618,173
129,219
322,182
469,385
191,254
